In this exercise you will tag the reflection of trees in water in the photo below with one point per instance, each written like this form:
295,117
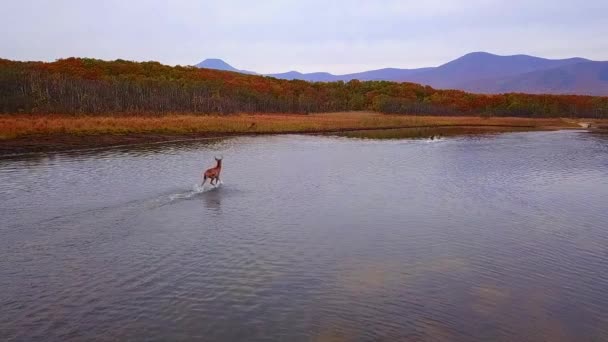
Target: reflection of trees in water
166,146
30,160
431,133
134,149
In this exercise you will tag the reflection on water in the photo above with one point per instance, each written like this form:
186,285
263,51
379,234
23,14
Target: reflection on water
213,200
431,133
492,237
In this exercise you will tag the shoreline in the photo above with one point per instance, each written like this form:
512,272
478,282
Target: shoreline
64,133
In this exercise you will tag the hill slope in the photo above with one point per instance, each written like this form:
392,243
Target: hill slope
91,86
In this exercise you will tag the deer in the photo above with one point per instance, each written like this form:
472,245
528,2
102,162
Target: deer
213,173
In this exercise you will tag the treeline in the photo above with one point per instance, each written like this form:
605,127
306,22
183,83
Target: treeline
90,86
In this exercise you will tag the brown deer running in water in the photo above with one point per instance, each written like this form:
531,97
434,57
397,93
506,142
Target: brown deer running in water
213,173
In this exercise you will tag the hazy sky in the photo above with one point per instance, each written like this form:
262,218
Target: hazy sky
305,35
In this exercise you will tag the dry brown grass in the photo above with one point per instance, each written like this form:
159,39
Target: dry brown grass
19,126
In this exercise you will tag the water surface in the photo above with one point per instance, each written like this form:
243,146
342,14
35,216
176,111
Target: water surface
500,237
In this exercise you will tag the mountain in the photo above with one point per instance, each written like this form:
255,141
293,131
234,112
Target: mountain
311,77
386,74
218,64
483,65
479,72
588,78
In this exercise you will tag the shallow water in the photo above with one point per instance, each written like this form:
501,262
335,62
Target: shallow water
500,237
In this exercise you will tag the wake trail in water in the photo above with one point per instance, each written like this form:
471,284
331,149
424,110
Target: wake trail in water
197,189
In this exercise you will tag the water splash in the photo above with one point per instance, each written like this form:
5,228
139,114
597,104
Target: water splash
434,138
196,190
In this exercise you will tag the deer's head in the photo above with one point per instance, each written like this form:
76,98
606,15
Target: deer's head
219,158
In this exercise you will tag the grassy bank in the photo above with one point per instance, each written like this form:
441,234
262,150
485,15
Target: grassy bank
16,126
19,133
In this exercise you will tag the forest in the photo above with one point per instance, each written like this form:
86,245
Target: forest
91,86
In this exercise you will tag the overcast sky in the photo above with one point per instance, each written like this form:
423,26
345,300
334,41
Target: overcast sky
311,35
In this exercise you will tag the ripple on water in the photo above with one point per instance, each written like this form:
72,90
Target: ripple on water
310,238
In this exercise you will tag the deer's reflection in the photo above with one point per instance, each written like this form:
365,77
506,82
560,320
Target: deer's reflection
212,200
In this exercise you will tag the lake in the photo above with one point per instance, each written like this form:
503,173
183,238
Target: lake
310,238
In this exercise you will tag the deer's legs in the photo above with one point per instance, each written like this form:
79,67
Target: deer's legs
204,180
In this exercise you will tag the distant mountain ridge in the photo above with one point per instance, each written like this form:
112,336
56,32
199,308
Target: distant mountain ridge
386,74
480,72
588,78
